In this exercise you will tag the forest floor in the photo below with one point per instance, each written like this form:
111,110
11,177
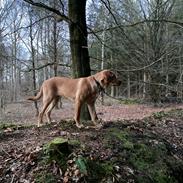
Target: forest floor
137,143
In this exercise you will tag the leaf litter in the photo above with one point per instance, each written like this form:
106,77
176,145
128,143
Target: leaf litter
135,150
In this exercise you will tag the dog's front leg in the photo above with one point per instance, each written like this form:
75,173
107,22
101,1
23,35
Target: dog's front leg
78,106
93,114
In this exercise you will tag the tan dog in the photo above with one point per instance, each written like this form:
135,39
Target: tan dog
79,90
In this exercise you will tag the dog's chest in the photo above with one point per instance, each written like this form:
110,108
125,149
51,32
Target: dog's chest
93,94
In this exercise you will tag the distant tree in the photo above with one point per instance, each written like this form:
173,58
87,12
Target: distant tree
33,58
141,38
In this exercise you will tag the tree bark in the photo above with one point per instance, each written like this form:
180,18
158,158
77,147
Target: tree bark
79,44
78,38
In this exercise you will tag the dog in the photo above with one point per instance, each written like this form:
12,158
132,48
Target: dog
80,90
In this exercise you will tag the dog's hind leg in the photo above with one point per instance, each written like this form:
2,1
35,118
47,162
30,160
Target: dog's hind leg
46,103
50,108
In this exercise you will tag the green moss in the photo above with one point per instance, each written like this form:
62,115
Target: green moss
141,151
108,168
45,177
58,149
75,142
98,170
149,161
57,141
146,154
13,126
122,136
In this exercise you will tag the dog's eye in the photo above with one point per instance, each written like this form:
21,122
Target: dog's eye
112,76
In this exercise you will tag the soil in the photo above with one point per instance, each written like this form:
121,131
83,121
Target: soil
112,110
127,131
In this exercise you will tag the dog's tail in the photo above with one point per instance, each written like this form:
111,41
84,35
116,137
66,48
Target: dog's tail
37,97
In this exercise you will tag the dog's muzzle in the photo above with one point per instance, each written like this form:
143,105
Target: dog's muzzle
116,83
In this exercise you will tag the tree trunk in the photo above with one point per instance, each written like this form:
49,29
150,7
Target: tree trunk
144,84
79,44
55,48
128,85
55,60
33,64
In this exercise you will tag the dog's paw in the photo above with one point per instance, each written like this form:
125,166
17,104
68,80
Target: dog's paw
39,125
80,125
98,126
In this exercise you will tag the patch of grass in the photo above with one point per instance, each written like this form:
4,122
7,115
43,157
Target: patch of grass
172,113
159,115
130,101
8,125
14,126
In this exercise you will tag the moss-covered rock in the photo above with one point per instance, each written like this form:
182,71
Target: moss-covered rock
58,150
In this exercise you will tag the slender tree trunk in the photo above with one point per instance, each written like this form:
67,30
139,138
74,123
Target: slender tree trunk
181,73
79,44
33,64
14,69
55,47
103,52
113,88
1,88
128,85
55,60
144,84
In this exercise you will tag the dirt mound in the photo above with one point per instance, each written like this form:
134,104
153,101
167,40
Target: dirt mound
142,150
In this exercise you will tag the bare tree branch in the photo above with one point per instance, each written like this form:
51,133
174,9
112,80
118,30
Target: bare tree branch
179,24
48,64
60,16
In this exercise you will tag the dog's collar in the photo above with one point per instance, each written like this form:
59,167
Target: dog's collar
99,86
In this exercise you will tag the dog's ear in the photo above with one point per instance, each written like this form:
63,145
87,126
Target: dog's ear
110,76
104,81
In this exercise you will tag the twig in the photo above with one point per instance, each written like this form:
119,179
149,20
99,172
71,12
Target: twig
12,178
141,68
5,152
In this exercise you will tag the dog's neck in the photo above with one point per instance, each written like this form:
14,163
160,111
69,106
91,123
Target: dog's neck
99,86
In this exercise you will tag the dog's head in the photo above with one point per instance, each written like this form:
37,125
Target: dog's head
109,78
